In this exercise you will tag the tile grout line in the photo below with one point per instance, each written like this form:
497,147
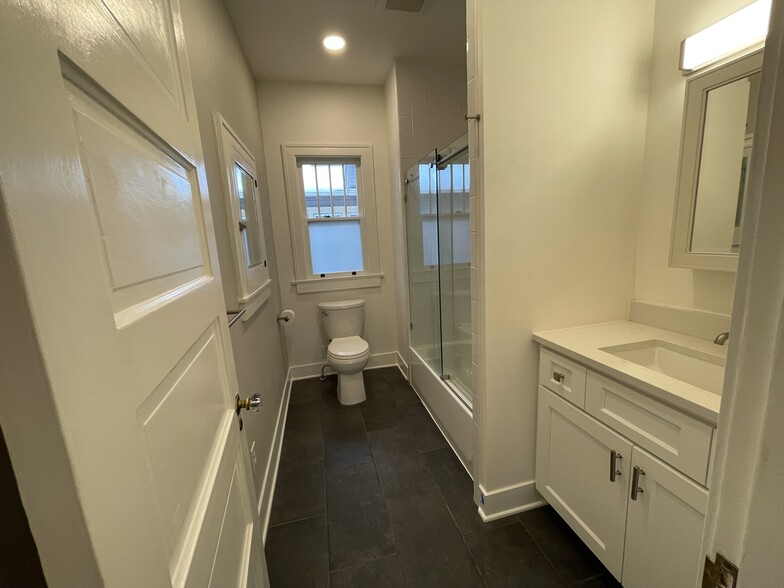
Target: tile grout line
299,520
539,547
326,500
374,559
473,559
384,498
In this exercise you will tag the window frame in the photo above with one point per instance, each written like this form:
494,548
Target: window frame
253,283
304,278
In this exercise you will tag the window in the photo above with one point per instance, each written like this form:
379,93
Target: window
333,217
445,196
240,183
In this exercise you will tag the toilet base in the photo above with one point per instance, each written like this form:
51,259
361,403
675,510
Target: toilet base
351,388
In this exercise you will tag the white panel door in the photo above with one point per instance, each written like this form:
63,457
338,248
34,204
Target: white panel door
664,527
574,459
103,192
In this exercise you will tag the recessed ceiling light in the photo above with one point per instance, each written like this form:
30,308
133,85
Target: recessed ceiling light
334,43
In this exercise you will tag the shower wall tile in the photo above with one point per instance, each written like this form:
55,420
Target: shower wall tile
420,147
403,71
406,137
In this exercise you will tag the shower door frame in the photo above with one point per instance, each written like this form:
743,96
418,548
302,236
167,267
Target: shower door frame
436,159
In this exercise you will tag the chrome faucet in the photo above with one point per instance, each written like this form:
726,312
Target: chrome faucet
721,338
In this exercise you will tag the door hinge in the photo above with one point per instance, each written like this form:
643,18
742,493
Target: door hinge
256,183
719,574
411,326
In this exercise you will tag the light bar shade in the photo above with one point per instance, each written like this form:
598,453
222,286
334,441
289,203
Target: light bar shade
740,30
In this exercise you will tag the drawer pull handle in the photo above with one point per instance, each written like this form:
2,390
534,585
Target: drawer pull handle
636,490
558,377
614,471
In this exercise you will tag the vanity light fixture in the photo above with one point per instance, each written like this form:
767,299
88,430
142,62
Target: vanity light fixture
334,43
741,30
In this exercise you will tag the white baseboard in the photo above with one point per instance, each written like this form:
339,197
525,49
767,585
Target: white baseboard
402,366
311,370
273,461
508,501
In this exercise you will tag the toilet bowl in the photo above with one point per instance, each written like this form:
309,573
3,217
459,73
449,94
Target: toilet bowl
348,356
348,353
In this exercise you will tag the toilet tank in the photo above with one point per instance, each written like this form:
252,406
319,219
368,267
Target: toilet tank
343,318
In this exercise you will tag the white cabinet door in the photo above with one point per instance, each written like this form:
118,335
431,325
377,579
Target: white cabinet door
573,472
133,467
664,526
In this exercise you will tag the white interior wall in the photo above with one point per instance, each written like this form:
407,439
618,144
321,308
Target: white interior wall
655,280
397,209
562,157
222,82
325,114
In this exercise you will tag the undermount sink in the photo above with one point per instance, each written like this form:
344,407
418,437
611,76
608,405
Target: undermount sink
694,367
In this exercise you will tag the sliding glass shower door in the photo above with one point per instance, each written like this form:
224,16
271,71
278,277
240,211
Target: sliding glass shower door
439,259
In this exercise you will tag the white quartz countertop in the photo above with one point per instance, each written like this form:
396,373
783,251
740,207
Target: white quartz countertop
583,345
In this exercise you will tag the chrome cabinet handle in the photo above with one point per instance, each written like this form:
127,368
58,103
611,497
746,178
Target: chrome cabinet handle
614,471
558,377
636,490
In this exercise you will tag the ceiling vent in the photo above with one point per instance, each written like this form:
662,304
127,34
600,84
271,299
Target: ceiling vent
404,5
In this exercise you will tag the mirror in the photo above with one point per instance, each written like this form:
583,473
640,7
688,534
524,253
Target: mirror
717,140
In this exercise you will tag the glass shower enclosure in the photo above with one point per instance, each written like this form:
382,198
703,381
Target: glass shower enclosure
439,263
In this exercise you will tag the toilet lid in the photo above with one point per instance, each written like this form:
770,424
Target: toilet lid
346,347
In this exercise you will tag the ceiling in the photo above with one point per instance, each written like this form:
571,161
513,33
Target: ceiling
282,38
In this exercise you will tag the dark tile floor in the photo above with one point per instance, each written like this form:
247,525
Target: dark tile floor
372,495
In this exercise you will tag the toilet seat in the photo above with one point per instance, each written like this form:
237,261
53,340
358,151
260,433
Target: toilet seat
348,347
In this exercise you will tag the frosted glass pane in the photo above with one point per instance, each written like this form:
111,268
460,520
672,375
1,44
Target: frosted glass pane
430,241
335,246
461,239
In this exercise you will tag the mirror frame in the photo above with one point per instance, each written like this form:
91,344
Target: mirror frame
697,88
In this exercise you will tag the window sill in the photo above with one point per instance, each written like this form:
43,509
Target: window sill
340,283
254,301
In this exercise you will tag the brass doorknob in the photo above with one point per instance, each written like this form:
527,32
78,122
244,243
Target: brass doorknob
251,403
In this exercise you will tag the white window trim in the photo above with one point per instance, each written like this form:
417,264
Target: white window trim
232,150
304,279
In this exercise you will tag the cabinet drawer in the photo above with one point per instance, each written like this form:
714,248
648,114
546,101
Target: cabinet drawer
562,376
680,440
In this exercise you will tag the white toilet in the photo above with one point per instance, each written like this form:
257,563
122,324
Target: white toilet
348,353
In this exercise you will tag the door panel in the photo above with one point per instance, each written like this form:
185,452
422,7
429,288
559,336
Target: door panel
182,422
147,206
573,474
664,527
102,187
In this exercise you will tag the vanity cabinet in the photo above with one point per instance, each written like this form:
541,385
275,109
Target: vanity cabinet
625,471
582,470
664,524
